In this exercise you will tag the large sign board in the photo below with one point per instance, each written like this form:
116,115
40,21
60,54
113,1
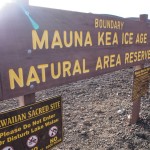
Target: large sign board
33,127
141,83
42,48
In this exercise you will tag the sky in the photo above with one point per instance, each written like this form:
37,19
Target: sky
122,8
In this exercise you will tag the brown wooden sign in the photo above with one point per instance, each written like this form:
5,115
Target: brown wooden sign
141,83
33,127
42,48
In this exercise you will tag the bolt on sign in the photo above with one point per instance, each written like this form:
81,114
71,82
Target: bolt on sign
140,83
33,127
42,47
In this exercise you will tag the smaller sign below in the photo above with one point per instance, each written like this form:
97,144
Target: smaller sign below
141,83
34,127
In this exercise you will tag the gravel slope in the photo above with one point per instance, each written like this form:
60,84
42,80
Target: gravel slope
91,118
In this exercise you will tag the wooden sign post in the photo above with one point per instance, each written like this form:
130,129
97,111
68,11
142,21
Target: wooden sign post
29,98
26,99
137,103
37,53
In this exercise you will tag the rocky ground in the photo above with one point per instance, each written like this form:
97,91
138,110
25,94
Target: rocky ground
95,114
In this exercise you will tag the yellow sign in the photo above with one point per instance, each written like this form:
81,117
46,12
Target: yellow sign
36,127
141,83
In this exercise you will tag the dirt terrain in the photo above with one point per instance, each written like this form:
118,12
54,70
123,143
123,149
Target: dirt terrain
95,114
